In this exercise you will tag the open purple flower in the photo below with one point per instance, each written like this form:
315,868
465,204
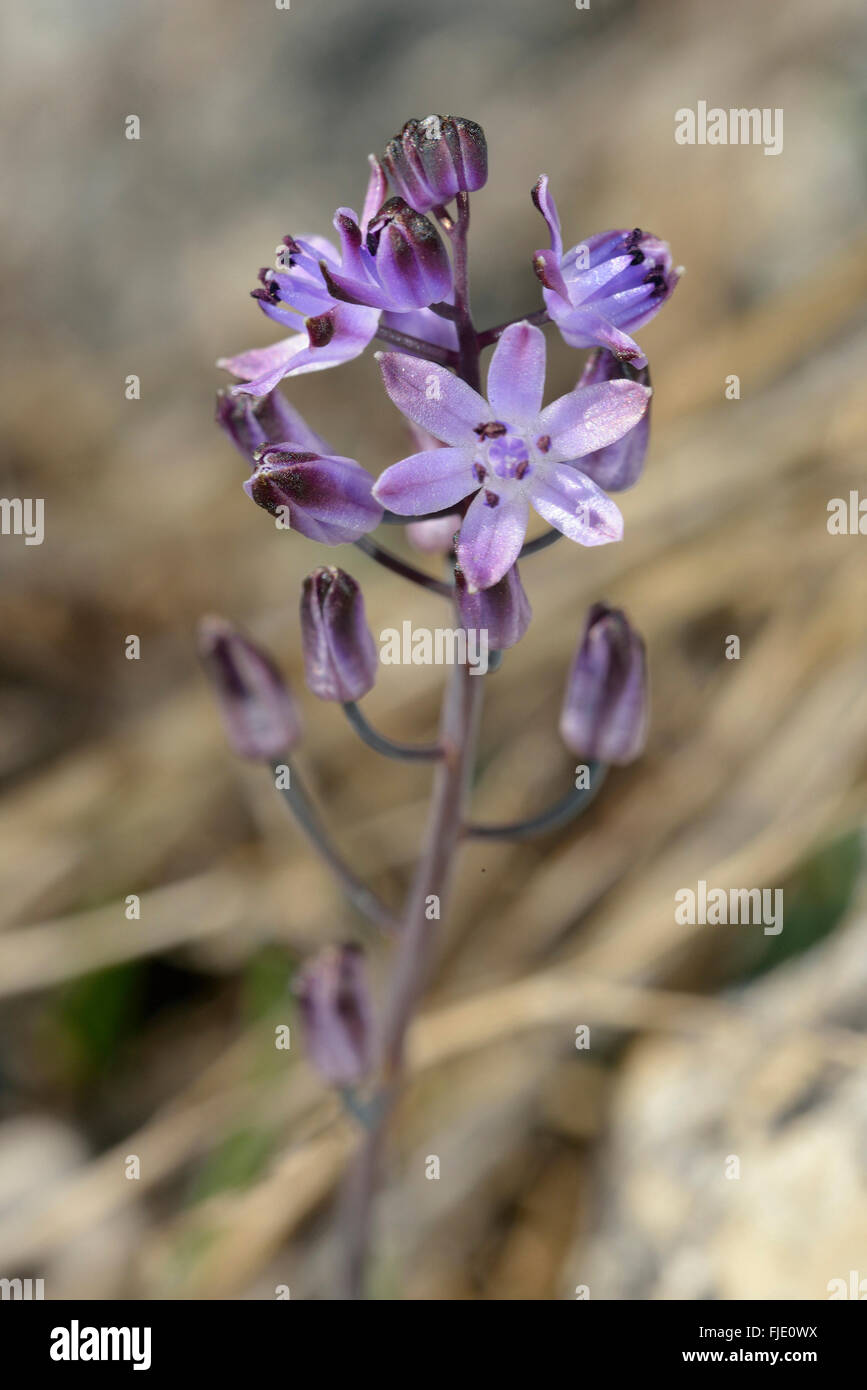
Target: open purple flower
507,450
392,259
605,288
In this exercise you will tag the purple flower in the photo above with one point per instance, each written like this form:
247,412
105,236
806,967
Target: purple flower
337,1014
619,465
251,421
391,260
401,264
258,713
323,496
340,655
511,453
503,611
605,711
605,288
433,159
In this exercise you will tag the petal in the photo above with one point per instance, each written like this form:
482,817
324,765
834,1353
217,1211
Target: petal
351,327
377,188
549,272
573,504
427,482
262,368
544,201
592,281
590,417
442,404
586,327
516,376
354,290
491,538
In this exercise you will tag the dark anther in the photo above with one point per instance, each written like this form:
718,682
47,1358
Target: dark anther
543,443
320,330
522,468
634,237
492,430
637,257
491,498
480,471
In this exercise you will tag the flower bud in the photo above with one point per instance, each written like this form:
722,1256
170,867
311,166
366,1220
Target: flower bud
337,1014
619,465
251,421
257,710
400,264
325,498
433,159
605,711
340,655
503,611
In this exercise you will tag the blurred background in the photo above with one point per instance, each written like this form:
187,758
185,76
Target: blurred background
154,1038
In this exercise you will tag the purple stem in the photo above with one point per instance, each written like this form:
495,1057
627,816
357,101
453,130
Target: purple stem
457,737
419,347
490,335
468,344
461,709
394,563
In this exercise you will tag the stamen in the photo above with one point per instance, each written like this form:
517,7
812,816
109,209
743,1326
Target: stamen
492,430
491,498
480,471
320,330
543,443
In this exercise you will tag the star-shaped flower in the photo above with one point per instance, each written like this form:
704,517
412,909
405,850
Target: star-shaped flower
507,450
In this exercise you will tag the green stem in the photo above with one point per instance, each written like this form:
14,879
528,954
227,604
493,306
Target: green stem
576,800
407,752
363,898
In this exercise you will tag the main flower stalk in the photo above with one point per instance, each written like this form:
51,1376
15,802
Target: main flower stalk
459,720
